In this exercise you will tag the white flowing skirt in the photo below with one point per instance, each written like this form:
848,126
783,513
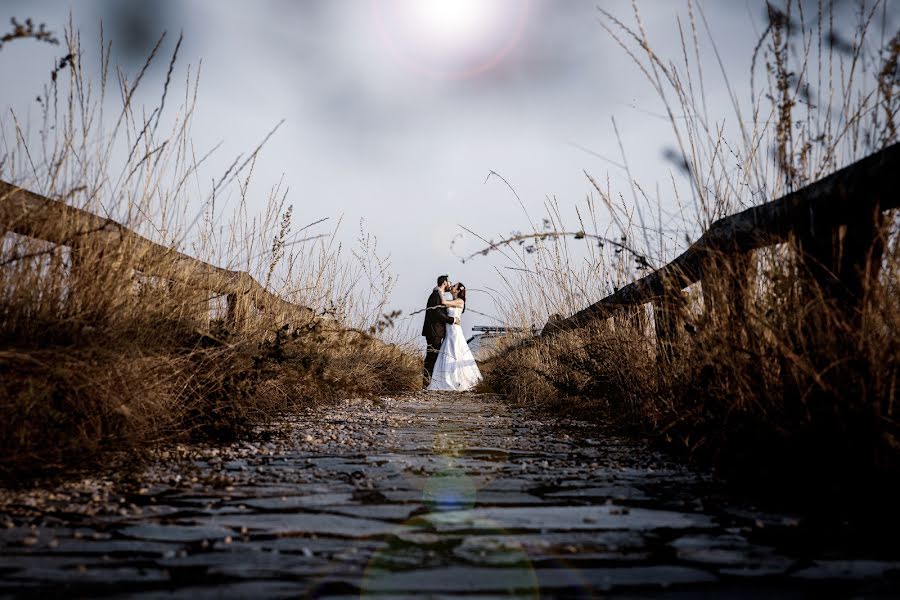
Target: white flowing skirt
455,369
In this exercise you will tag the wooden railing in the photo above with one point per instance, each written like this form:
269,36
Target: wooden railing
29,214
835,222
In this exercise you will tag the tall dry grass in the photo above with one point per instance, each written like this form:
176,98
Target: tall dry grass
771,373
97,355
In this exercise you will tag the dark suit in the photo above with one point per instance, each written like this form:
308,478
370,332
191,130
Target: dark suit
434,329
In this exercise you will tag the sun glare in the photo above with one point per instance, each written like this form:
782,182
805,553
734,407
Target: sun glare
454,20
451,38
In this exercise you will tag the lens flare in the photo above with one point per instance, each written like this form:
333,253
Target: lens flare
483,464
450,489
454,21
410,563
449,443
450,39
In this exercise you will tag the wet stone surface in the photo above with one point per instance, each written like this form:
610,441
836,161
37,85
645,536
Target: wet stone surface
430,495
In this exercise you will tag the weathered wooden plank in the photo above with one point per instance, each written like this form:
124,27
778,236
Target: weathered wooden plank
865,187
26,213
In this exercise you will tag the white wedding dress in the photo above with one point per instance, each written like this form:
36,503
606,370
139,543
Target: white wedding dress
455,369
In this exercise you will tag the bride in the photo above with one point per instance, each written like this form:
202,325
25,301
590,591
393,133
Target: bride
455,369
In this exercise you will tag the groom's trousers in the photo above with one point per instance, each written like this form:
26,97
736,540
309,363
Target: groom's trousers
431,355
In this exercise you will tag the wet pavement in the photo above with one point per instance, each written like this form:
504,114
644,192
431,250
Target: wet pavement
426,496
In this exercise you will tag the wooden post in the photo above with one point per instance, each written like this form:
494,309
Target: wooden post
77,300
666,317
860,250
842,258
712,301
639,318
238,309
96,265
726,283
240,301
626,318
815,243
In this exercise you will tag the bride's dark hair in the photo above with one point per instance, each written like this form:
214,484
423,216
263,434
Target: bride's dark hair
461,294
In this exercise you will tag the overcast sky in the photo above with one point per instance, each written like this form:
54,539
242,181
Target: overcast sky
396,113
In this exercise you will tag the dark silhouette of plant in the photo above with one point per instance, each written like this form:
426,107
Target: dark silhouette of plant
26,31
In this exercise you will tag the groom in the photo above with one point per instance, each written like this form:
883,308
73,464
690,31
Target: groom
436,321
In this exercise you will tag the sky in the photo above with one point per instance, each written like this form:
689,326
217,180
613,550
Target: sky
396,110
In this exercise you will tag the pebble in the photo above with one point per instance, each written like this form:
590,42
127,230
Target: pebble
448,486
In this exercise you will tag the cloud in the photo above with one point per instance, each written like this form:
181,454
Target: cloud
368,137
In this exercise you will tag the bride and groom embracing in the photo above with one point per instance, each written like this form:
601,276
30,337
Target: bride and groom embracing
449,364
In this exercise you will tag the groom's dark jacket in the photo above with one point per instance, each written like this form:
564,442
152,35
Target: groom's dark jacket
436,317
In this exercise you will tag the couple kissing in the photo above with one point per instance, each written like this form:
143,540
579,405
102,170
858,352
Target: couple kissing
449,363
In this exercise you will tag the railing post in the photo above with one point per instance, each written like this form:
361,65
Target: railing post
623,319
75,283
861,246
726,284
238,309
639,318
815,244
240,301
666,317
842,256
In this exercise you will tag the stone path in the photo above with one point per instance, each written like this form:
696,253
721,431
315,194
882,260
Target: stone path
431,495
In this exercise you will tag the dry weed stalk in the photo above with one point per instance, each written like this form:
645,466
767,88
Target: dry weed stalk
771,371
101,355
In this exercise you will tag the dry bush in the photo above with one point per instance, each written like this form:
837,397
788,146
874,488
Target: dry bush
785,381
600,370
774,370
97,354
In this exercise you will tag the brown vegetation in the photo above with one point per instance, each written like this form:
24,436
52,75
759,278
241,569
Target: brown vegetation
106,346
767,367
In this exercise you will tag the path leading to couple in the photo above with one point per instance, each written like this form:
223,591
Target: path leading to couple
429,495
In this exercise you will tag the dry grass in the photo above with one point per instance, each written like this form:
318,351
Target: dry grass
771,373
96,355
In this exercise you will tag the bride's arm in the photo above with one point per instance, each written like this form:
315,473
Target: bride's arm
453,303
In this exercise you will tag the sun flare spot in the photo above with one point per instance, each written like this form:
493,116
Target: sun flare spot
454,20
451,38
